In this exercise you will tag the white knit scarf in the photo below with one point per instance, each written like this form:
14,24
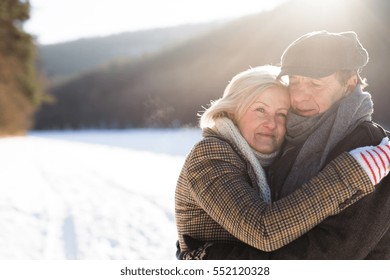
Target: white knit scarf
228,129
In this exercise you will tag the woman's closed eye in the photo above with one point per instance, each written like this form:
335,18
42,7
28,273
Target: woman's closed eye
260,109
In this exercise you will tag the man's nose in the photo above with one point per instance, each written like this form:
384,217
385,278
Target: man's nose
298,93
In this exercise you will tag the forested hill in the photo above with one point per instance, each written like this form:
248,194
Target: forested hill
62,60
169,88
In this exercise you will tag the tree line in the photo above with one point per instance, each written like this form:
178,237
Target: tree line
21,93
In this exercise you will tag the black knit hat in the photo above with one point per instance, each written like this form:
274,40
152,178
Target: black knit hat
320,54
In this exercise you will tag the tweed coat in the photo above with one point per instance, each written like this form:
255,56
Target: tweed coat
360,232
217,198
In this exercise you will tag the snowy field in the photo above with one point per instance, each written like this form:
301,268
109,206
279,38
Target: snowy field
95,195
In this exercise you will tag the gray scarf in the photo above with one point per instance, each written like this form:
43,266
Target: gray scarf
318,135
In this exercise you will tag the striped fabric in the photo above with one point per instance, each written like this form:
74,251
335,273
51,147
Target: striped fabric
375,160
217,199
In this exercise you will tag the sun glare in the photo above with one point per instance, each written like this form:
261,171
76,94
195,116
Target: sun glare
57,20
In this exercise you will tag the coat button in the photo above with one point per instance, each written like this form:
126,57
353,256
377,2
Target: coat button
347,201
342,205
357,194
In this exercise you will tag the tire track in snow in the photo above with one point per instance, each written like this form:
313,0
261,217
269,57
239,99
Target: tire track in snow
70,239
61,240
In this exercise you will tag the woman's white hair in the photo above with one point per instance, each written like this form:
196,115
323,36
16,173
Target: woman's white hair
240,93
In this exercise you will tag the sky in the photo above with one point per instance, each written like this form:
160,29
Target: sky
54,21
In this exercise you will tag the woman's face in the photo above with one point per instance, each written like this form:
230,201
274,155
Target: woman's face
263,125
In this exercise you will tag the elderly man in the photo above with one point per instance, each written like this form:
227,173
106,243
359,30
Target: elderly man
330,114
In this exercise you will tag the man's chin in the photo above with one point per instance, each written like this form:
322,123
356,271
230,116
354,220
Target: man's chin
306,113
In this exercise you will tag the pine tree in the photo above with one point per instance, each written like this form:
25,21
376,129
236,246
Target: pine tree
20,91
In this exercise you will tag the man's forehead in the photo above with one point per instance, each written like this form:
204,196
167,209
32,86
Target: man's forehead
297,77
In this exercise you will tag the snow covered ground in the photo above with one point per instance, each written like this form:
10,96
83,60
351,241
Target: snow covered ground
91,194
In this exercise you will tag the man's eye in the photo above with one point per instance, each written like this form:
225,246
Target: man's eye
282,115
315,84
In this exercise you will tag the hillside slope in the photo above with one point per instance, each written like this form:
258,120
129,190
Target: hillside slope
169,88
59,61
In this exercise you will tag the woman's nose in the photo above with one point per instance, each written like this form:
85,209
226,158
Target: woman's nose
270,122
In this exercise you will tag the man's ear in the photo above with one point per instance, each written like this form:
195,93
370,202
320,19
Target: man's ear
352,83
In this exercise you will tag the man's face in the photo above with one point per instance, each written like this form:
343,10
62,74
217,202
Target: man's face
310,97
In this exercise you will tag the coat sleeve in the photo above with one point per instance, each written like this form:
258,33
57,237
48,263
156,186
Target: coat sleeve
362,231
219,184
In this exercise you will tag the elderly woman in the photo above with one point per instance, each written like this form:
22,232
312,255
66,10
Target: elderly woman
222,195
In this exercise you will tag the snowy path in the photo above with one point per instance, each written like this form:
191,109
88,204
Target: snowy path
69,200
